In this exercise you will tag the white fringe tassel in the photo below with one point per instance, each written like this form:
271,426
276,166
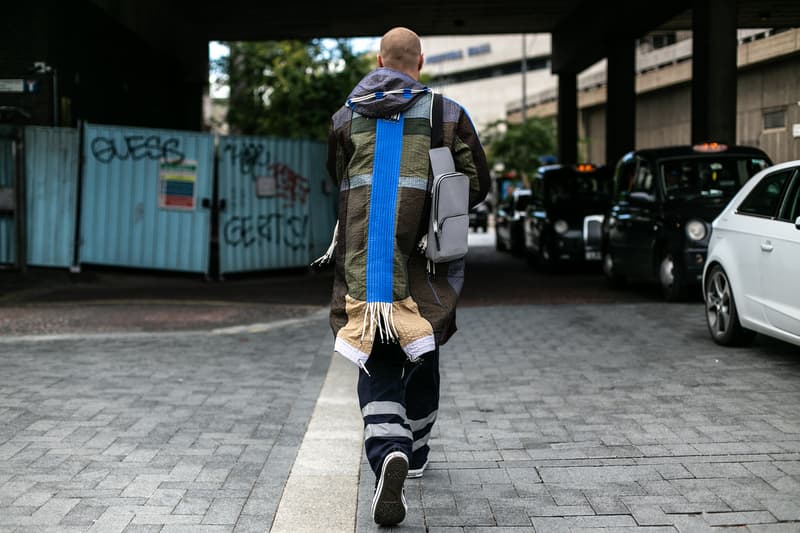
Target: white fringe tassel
327,257
380,317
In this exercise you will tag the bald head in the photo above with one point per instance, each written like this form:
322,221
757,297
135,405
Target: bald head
401,50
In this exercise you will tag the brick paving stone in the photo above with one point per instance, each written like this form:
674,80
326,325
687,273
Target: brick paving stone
169,433
786,527
608,418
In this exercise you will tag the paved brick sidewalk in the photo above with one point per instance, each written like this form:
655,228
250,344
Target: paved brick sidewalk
176,433
609,419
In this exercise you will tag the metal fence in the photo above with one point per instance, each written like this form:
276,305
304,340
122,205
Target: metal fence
145,198
275,209
51,192
142,198
7,183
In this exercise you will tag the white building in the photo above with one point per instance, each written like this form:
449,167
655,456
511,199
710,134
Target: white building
483,72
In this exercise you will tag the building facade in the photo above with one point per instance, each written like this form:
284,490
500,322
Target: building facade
484,73
768,97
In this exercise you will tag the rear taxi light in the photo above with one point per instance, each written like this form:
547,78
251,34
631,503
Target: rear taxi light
710,147
585,167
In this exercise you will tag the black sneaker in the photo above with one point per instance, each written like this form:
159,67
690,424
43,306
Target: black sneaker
414,473
389,503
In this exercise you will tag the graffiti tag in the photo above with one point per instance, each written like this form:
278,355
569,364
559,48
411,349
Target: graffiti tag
277,228
292,187
252,159
137,147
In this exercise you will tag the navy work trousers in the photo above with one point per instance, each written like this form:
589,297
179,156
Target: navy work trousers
399,401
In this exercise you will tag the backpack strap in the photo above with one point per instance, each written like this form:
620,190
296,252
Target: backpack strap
437,118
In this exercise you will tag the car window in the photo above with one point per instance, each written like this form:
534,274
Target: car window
643,182
765,198
624,178
537,188
708,175
791,205
522,202
573,186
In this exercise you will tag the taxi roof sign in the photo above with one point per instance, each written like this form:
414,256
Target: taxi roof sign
710,147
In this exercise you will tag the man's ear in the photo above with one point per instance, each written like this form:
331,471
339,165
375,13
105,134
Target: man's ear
380,60
421,61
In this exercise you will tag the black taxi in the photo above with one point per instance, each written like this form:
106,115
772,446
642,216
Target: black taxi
565,214
665,199
509,220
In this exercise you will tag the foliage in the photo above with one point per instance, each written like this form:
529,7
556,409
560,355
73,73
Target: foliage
519,146
289,88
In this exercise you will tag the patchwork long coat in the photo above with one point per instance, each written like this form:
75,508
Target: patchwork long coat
378,156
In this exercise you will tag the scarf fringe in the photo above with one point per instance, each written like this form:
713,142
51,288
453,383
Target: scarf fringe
327,257
379,316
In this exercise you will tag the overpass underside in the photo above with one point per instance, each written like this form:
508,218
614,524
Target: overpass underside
145,62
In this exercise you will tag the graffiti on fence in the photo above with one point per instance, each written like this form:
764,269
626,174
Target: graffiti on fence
246,231
291,186
252,159
137,147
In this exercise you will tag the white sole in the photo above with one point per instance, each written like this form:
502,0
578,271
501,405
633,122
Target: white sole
416,472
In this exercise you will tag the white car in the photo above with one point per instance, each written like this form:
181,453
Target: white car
751,279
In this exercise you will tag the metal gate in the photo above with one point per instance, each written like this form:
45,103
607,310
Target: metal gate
274,208
145,198
51,192
10,230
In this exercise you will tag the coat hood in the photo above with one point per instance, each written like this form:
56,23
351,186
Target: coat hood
384,92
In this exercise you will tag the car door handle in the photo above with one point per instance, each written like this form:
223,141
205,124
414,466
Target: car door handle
766,246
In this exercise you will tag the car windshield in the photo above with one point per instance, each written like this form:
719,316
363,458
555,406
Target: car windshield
708,176
577,186
522,202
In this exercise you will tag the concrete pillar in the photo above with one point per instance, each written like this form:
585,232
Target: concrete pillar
621,100
714,71
567,123
190,83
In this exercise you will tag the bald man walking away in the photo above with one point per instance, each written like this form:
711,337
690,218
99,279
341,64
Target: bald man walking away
390,312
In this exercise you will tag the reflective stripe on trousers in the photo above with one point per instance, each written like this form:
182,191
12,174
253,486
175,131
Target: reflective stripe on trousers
399,402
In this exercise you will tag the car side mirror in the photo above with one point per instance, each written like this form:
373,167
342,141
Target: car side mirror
797,223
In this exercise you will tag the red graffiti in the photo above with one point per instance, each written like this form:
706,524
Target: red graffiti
292,187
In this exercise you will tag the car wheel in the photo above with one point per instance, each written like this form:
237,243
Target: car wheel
498,243
532,259
614,278
545,260
517,244
722,317
672,285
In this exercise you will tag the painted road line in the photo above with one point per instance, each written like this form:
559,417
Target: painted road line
321,493
133,335
267,326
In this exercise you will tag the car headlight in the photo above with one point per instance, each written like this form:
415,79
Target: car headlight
561,227
696,230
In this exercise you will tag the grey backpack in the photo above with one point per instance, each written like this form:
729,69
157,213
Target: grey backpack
449,221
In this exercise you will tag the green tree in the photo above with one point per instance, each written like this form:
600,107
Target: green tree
289,88
518,146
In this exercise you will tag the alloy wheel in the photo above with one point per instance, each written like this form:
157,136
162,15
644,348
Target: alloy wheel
608,265
718,304
667,272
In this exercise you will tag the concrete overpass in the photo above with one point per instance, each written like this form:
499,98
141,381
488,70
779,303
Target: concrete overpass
144,62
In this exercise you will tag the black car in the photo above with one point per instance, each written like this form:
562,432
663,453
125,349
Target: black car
509,219
665,199
479,216
565,214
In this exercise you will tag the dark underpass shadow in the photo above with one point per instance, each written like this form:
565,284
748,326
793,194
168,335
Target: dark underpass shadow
497,278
